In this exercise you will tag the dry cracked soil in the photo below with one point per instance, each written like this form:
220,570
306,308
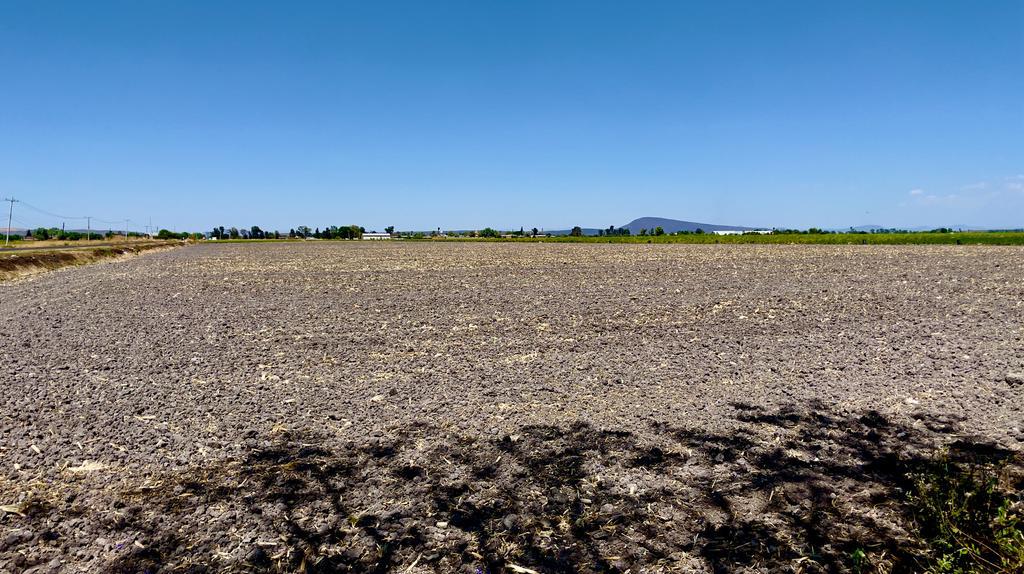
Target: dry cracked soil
496,407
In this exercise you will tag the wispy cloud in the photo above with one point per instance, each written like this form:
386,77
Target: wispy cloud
921,197
1014,183
978,194
947,199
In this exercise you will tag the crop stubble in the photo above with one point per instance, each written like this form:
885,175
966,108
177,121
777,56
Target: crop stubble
485,407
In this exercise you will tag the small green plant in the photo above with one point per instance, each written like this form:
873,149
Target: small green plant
859,561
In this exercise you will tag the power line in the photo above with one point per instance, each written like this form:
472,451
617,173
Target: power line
51,214
32,224
21,221
59,216
128,223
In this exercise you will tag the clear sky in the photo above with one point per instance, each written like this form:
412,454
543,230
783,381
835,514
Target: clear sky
514,113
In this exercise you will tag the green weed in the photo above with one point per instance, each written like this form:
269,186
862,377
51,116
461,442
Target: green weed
971,521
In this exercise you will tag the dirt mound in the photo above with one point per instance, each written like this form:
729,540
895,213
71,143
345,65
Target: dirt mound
14,264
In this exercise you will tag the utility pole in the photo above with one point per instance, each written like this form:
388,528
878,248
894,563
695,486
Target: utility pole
88,228
10,214
126,230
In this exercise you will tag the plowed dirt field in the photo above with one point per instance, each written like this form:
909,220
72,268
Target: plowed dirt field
497,407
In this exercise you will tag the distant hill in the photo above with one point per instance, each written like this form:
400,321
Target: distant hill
674,225
669,225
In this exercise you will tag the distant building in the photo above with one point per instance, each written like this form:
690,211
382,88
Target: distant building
739,232
376,236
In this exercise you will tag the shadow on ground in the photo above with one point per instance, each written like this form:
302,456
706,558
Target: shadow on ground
783,491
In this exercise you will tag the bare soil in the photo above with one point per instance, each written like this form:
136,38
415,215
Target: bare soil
496,407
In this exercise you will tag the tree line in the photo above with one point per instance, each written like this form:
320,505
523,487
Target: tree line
44,233
302,231
613,231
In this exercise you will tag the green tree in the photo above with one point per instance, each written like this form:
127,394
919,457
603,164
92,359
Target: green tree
233,233
576,231
389,229
659,230
488,232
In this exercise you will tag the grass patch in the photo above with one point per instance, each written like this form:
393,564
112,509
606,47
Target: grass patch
14,264
970,515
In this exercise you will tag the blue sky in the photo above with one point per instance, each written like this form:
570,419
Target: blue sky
509,114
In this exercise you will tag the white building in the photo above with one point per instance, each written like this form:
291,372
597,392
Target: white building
738,232
375,235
